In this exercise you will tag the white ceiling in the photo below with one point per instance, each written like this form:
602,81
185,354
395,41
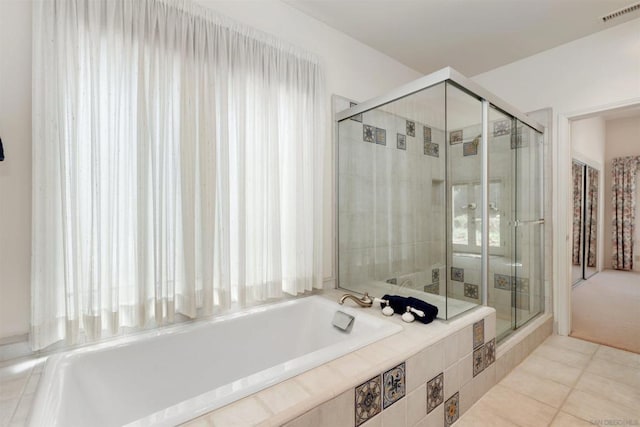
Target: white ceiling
472,36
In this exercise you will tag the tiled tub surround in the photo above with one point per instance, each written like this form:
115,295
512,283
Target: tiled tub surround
170,376
437,362
326,395
454,306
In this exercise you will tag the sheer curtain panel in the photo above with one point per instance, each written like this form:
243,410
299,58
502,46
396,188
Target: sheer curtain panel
177,164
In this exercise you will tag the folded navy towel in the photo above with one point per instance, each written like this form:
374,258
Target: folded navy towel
430,311
400,303
397,302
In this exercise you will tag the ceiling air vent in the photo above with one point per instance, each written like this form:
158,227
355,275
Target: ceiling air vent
620,12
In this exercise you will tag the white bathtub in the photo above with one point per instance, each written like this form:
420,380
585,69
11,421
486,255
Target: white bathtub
170,376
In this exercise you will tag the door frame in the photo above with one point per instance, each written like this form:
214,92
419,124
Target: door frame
562,208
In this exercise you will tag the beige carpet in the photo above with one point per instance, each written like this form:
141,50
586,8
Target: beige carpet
606,310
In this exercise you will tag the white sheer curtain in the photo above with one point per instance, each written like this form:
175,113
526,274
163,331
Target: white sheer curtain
177,163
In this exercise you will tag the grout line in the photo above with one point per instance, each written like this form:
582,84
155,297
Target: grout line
582,371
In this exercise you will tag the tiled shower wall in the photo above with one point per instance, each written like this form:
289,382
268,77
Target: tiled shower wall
393,211
392,200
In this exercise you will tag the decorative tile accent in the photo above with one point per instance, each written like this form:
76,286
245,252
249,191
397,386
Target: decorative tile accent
457,274
435,392
522,284
432,149
451,410
521,139
479,362
471,290
478,333
394,385
455,137
435,275
490,352
426,131
368,402
502,127
381,136
368,133
357,117
411,128
402,141
502,281
469,149
433,288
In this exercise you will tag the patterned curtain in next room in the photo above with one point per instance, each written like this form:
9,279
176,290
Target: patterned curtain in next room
623,175
591,218
577,171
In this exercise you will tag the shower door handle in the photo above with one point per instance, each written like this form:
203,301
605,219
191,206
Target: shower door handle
518,223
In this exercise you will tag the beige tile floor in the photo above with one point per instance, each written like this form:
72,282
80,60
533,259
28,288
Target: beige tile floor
564,382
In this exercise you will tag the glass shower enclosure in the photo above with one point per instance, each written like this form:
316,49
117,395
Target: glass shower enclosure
440,197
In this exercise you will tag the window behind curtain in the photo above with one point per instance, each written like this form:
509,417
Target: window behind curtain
177,165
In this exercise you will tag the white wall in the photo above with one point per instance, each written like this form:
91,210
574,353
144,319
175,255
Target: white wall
590,74
600,69
623,139
15,171
352,69
588,140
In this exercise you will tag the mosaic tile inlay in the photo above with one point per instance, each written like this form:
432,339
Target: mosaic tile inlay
457,274
435,392
490,352
521,139
471,290
455,137
478,333
357,117
433,288
381,136
451,410
470,148
426,131
435,275
402,142
368,133
502,127
394,385
478,360
411,128
432,149
368,400
502,281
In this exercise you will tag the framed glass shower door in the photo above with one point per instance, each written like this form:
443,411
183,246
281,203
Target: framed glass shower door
515,282
528,268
